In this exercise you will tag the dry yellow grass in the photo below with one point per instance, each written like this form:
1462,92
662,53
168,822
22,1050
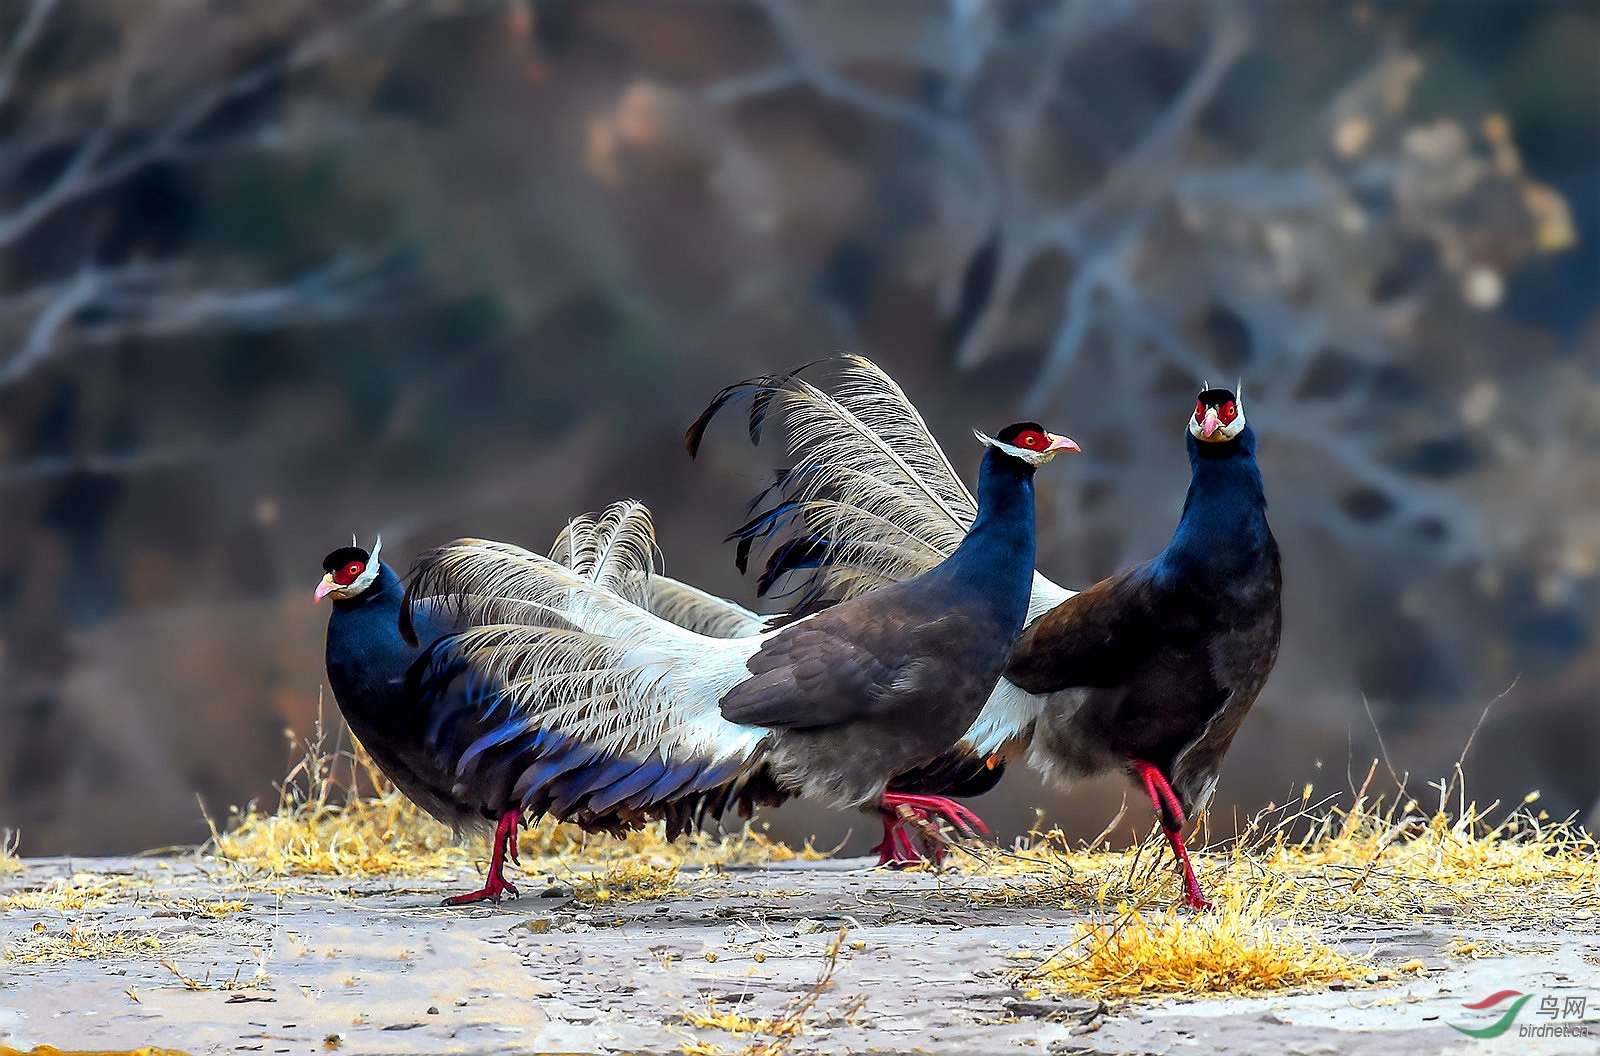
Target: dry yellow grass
324,826
715,1017
1372,859
384,835
1400,863
1258,939
630,880
81,942
363,836
70,908
79,891
238,981
1240,949
1285,886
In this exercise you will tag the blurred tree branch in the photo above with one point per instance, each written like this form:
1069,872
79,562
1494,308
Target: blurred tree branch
155,102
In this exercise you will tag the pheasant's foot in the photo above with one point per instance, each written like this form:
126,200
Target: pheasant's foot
495,884
491,891
1191,884
910,837
964,821
896,850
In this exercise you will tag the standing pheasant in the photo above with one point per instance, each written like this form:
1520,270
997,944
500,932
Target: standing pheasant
1152,670
871,500
440,747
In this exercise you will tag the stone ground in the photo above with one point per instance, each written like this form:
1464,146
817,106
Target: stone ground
383,968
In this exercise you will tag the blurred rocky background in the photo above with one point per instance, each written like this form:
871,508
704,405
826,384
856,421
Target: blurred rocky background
273,273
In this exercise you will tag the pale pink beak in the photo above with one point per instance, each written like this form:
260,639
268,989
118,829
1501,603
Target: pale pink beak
326,587
1061,443
1210,425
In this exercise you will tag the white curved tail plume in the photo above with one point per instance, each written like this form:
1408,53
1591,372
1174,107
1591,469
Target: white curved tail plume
869,481
695,610
580,660
615,549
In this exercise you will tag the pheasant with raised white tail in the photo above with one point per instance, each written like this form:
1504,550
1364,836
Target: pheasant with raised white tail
448,748
871,500
655,720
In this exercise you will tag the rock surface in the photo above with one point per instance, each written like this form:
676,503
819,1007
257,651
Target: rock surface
373,967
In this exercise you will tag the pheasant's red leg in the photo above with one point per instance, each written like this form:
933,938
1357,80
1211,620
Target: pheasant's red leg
887,849
495,885
511,837
1165,802
960,818
1191,884
896,848
900,811
1160,793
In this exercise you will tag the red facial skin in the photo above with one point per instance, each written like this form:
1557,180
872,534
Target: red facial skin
1033,440
342,577
349,573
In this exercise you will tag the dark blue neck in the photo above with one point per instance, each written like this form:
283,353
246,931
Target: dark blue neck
996,558
1223,532
367,658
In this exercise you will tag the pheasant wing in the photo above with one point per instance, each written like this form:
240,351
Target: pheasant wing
862,659
1094,638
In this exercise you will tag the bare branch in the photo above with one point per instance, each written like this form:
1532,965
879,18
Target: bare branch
144,300
67,299
1102,230
808,66
86,176
33,23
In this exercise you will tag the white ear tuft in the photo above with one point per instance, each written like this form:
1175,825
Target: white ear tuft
984,438
377,544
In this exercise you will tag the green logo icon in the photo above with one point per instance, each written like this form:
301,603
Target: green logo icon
1501,1025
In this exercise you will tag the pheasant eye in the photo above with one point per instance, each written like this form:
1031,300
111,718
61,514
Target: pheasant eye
1199,409
348,574
1228,412
1032,439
